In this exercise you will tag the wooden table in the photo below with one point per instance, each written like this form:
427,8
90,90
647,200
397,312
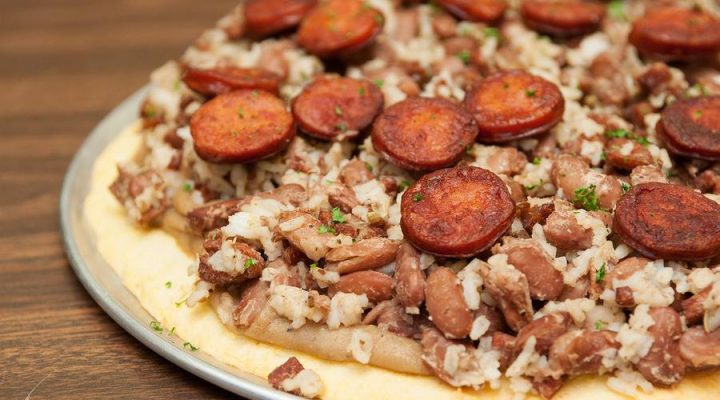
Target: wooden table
63,65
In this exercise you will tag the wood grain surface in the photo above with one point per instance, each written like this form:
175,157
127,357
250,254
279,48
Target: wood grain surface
63,65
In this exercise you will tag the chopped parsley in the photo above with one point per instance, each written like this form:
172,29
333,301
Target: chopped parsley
616,9
404,184
600,273
599,325
587,198
168,284
379,18
156,326
241,113
378,82
368,166
313,265
361,91
697,114
338,111
418,197
469,150
149,111
176,85
624,133
342,127
337,215
464,56
625,187
189,346
254,93
188,187
491,32
531,187
249,263
326,229
180,303
171,331
530,93
537,160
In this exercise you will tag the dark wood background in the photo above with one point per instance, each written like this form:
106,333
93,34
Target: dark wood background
63,65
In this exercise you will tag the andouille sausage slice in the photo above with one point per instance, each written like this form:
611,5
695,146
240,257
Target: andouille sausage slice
661,220
266,17
212,82
514,104
562,17
423,133
476,10
241,127
339,27
691,127
676,33
337,108
456,212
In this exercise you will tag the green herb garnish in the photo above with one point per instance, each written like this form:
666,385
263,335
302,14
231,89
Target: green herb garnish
338,111
464,56
361,91
404,184
491,32
189,346
188,187
342,127
249,263
241,113
156,326
418,197
313,265
587,198
537,160
378,82
625,187
168,284
530,93
368,166
337,215
616,10
600,273
326,229
599,325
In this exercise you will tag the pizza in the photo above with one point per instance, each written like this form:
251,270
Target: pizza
515,198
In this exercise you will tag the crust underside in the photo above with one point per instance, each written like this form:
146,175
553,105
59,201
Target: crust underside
146,259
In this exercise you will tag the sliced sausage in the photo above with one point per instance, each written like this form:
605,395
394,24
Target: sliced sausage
514,104
446,304
339,27
691,127
376,285
337,108
423,133
266,17
456,212
676,33
476,10
562,17
674,222
663,365
212,82
241,127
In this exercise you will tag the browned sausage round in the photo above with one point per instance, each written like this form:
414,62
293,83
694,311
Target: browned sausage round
662,220
423,134
211,82
456,212
476,10
338,27
266,17
241,127
337,108
676,33
562,17
691,127
514,104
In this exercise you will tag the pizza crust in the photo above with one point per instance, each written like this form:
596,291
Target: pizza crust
146,259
